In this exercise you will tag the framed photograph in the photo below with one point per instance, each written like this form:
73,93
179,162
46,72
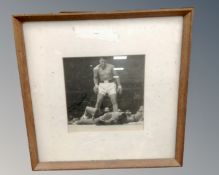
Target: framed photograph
104,89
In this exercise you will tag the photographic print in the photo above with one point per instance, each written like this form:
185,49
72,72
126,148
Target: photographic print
105,92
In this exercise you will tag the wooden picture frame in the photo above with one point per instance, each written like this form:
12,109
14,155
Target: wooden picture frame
37,164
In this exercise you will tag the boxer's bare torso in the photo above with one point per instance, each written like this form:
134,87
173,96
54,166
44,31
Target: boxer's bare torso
104,73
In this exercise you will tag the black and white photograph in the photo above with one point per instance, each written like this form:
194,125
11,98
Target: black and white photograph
105,91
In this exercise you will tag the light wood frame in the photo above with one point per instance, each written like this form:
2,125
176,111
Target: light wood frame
18,20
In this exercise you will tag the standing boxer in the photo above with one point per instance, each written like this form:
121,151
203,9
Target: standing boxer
106,82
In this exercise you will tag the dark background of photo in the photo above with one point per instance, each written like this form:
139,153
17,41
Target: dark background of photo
79,83
201,137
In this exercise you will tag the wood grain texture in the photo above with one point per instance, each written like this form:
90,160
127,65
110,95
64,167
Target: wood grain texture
102,15
183,86
182,97
109,164
25,87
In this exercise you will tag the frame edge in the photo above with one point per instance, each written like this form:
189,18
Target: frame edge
97,15
25,90
183,85
107,164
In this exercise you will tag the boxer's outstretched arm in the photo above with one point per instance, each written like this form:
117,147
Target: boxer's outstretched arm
95,77
115,74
